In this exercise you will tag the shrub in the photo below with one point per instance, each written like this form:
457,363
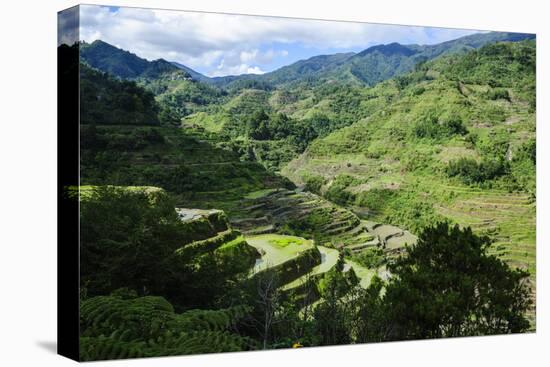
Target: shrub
371,258
337,191
473,172
432,127
498,93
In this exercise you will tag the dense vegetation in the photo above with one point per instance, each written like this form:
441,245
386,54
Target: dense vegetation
141,289
435,140
105,100
129,238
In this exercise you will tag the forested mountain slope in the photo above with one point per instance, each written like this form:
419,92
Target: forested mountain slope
455,140
370,66
121,63
321,185
382,62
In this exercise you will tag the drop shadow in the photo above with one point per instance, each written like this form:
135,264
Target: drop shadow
48,345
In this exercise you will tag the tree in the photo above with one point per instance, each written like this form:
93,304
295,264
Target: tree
131,238
258,125
340,263
335,314
370,323
447,285
127,240
268,303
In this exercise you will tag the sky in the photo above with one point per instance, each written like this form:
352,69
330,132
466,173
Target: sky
223,44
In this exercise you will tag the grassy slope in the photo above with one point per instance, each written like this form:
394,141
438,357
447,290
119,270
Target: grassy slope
400,178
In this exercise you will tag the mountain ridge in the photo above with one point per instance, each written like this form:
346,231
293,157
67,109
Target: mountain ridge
124,64
368,67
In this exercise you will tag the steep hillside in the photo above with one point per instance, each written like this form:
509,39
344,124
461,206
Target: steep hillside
179,89
305,70
332,95
456,142
188,166
304,207
367,67
182,95
123,64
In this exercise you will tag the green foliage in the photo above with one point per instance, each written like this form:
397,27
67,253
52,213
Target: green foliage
399,207
137,139
375,199
523,166
127,239
113,327
284,242
181,95
309,226
430,126
411,212
237,255
313,183
498,93
135,239
334,315
261,126
207,245
389,149
173,159
371,258
500,65
295,267
472,172
106,100
447,286
337,190
243,83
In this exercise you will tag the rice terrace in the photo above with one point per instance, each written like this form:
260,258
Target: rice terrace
259,191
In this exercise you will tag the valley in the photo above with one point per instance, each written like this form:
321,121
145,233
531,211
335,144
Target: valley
316,197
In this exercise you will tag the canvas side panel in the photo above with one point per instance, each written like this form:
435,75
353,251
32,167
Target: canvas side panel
67,177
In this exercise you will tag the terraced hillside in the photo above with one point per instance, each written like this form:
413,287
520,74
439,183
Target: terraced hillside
185,163
456,143
297,260
269,212
309,215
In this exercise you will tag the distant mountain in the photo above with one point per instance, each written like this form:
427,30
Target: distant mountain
383,62
124,64
300,70
304,69
368,67
373,65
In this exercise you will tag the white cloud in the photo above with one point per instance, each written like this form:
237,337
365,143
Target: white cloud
242,68
206,39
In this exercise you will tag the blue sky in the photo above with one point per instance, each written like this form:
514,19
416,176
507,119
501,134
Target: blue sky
223,44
